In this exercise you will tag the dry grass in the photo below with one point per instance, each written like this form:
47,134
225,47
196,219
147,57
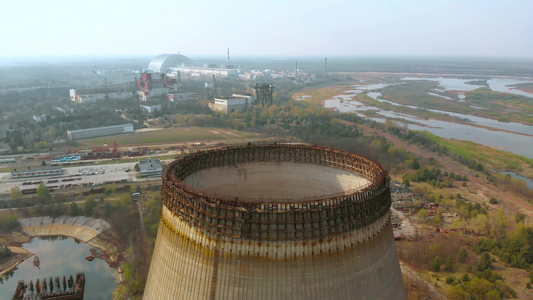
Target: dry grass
181,134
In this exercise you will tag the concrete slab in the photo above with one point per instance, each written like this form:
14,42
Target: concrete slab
24,222
59,220
81,228
47,221
90,222
80,221
102,226
70,220
35,221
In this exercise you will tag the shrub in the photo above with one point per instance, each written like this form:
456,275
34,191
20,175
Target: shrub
450,279
463,255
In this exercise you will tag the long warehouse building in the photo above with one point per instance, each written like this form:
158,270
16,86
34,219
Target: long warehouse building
99,131
92,95
276,221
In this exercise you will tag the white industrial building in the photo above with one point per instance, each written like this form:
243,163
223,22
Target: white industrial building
176,97
91,95
150,108
99,131
200,71
36,171
231,104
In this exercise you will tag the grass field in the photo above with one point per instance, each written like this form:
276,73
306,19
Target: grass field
170,135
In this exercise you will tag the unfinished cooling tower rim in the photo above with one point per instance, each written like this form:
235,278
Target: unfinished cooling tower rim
327,216
380,172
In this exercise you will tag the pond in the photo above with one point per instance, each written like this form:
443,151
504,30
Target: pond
529,181
63,256
506,85
450,84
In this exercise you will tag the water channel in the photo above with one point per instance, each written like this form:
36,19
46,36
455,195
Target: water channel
503,85
515,143
529,181
63,256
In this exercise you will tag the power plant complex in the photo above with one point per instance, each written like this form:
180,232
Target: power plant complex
162,78
275,221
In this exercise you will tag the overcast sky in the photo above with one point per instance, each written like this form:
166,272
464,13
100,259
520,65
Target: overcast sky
267,28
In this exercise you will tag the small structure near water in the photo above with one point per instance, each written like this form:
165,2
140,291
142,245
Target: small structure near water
36,262
52,289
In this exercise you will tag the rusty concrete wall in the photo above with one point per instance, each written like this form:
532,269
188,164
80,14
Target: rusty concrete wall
326,246
182,269
80,227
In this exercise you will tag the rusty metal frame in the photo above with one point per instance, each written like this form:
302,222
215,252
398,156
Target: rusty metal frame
277,220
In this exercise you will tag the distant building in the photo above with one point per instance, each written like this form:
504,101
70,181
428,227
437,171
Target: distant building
162,78
41,118
7,160
155,85
91,95
182,97
157,82
161,63
99,131
231,104
150,108
199,71
36,171
65,110
150,167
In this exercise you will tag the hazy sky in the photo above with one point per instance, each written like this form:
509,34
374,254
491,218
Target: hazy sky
267,28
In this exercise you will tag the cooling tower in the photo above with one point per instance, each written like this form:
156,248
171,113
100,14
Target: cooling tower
277,221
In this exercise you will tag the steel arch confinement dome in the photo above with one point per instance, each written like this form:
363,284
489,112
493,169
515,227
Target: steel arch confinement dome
162,62
277,221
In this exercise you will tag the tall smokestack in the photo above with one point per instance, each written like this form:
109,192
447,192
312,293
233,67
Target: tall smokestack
296,69
228,57
326,67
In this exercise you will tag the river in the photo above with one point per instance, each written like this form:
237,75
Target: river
63,256
503,85
508,141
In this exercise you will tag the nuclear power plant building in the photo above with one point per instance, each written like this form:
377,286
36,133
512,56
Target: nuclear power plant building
276,221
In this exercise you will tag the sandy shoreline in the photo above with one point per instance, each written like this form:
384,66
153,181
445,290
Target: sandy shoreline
19,256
